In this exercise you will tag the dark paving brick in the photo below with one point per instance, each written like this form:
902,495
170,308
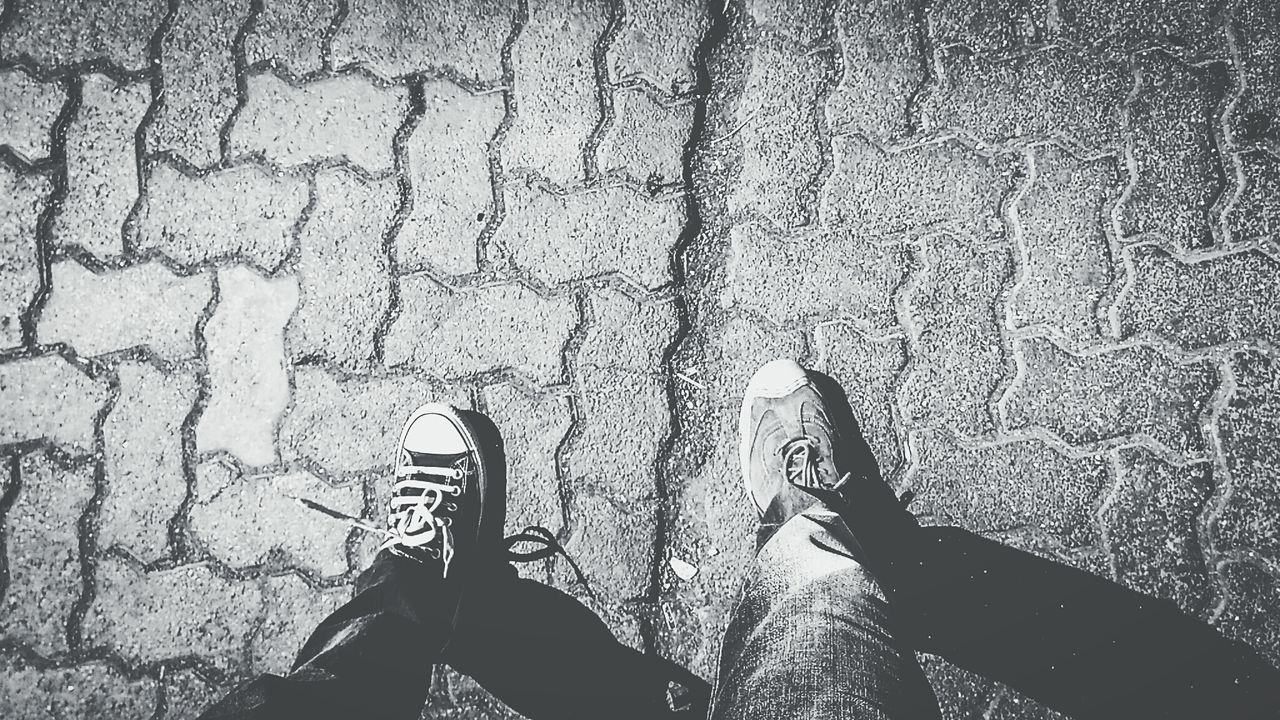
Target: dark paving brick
28,109
1255,116
868,369
143,459
532,428
56,33
1102,396
646,141
1248,518
884,66
142,305
1249,614
248,383
343,270
22,198
612,541
1224,299
987,27
1191,27
291,33
47,398
43,547
87,691
294,610
658,42
1254,214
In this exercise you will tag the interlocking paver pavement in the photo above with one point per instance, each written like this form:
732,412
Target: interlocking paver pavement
1037,241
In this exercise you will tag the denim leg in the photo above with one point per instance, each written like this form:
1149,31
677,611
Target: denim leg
811,636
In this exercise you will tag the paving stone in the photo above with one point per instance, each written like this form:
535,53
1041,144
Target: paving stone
960,693
532,429
957,353
102,165
1254,215
452,192
1232,298
824,273
343,269
47,398
613,544
737,347
248,378
396,38
28,109
1249,614
883,69
1110,395
345,117
886,193
1192,27
198,76
187,694
293,613
352,425
971,486
794,20
142,305
242,212
1066,256
88,691
291,33
133,614
143,459
987,27
1011,705
868,369
1249,517
560,238
1255,115
56,34
1152,527
1177,177
646,141
21,200
658,42
1050,93
557,106
42,542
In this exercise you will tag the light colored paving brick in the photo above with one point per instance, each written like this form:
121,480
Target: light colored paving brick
1254,214
452,191
244,521
248,377
343,117
47,398
21,200
1255,113
1249,516
28,109
291,33
102,165
1189,26
88,691
736,349
987,27
1110,395
242,212
142,448
143,305
54,33
187,694
646,141
658,42
43,547
1249,614
1066,266
532,428
560,238
294,611
868,370
343,268
883,69
792,20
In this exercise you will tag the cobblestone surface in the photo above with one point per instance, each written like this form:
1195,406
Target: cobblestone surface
1036,241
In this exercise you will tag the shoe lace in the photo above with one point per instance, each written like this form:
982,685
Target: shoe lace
419,509
550,546
800,461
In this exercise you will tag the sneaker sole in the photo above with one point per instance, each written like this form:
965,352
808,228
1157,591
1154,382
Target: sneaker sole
775,379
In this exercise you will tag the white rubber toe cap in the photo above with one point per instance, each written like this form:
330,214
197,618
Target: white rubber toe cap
776,378
430,432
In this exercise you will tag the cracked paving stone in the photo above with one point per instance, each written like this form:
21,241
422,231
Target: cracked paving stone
1254,215
248,378
1066,256
187,694
48,398
143,459
294,611
102,166
1110,395
957,352
396,38
291,33
1249,613
1177,176
613,544
1192,27
883,69
1255,116
42,544
560,238
532,430
348,426
87,691
242,213
868,369
133,613
28,109
244,521
1152,527
971,486
345,117
1049,93
658,42
343,270
987,27
557,105
886,193
21,201
1226,299
452,191
57,34
198,76
645,144
823,273
1249,517
142,305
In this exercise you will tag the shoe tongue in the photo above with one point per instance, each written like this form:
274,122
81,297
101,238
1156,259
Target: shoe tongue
423,459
